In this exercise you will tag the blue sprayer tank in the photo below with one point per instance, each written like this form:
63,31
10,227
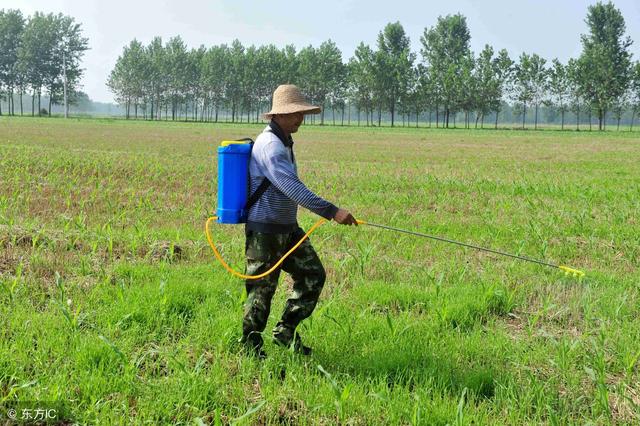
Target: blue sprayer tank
233,175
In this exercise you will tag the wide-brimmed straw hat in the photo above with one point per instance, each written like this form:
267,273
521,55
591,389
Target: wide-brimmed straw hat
287,99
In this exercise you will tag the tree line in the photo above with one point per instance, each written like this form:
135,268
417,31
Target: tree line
170,81
445,80
38,55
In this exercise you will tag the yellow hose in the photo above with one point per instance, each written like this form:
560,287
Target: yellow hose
567,270
264,274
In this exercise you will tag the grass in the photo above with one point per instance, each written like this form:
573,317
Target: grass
112,306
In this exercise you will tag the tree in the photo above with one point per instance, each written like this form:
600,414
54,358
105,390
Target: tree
575,86
69,49
539,82
49,56
559,88
250,80
635,92
530,83
127,78
605,61
234,83
396,60
271,67
445,48
504,70
484,76
11,29
216,75
155,78
35,54
177,59
291,66
329,74
361,79
468,91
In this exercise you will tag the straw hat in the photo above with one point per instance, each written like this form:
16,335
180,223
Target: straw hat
287,99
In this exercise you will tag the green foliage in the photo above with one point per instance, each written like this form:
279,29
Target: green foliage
446,53
605,63
49,50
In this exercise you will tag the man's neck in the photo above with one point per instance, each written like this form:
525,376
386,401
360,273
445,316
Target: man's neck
286,136
283,130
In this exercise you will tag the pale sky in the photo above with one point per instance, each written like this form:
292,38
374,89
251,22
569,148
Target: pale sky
550,28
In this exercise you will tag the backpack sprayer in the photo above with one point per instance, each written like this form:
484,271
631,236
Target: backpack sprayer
233,189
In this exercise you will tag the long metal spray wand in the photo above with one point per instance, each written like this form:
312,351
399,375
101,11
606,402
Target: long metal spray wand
566,269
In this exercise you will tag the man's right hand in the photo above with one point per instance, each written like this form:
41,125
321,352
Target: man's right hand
343,217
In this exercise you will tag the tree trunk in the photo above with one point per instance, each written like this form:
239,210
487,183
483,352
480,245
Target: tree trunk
633,113
21,105
393,114
600,119
497,113
562,119
535,126
524,113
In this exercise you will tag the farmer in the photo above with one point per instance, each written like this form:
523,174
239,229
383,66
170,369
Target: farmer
272,227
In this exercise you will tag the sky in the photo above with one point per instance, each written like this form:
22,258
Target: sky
550,28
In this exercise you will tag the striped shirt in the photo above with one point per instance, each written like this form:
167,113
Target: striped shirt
277,209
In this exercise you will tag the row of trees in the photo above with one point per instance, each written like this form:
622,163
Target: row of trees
171,81
38,54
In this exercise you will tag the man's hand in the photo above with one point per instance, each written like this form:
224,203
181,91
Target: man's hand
343,217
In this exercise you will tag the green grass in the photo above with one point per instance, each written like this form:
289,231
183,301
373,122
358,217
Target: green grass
112,305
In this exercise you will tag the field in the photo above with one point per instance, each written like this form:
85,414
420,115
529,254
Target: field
114,311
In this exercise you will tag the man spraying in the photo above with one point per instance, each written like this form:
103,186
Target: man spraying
272,228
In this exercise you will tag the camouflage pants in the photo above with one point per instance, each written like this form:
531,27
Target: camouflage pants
262,252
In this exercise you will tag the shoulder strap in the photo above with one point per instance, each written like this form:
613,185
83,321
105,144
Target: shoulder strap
264,185
256,195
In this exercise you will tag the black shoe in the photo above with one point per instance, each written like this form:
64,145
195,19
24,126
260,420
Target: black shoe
259,353
298,347
253,348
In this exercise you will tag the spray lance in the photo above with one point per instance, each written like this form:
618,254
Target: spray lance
233,184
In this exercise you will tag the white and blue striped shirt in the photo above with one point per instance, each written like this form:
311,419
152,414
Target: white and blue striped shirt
276,210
